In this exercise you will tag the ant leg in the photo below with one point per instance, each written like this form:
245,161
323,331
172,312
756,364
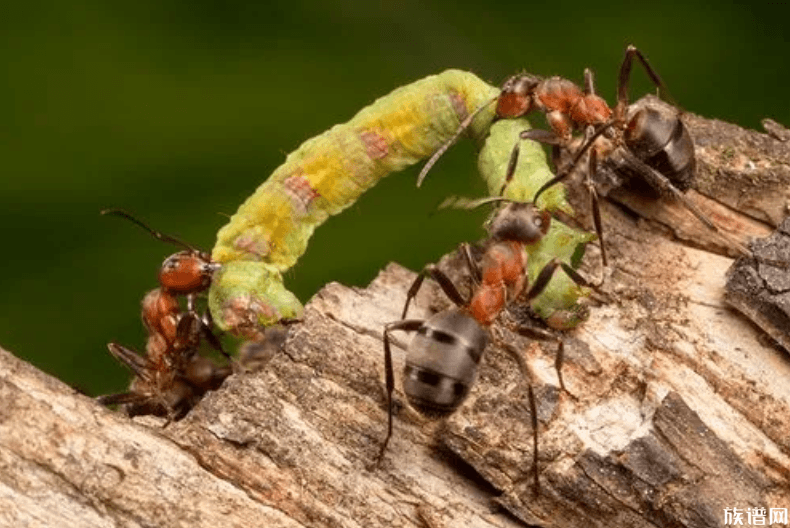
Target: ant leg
589,82
185,332
533,410
524,368
131,359
547,273
389,377
625,75
555,158
575,161
412,293
594,202
206,323
407,325
474,269
661,183
535,134
170,418
121,398
559,359
188,333
444,281
447,286
547,335
555,180
191,302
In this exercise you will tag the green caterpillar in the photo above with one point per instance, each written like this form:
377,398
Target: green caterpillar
327,173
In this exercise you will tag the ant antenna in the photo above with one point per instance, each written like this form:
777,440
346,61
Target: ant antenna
460,202
156,234
449,143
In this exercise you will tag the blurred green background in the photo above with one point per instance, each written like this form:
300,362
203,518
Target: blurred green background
176,111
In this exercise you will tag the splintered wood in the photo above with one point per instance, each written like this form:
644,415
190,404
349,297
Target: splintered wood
677,408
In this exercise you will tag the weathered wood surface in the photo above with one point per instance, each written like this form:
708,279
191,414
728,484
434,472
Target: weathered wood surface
677,406
761,290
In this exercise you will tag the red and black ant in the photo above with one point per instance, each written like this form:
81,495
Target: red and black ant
444,354
168,389
644,140
172,376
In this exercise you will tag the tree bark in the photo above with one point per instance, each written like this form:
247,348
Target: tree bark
676,405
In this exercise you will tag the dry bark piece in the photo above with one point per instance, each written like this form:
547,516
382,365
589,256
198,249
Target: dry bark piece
761,290
776,130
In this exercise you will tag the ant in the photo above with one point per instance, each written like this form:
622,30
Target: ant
644,140
444,354
171,377
165,389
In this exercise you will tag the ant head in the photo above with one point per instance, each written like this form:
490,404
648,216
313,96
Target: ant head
516,97
516,221
187,272
519,221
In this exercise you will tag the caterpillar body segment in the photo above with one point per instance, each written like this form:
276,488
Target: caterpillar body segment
249,297
327,173
558,305
532,170
324,176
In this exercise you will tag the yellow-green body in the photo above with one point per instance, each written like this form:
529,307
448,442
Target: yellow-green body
398,130
327,173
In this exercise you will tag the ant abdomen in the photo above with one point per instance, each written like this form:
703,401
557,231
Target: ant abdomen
656,135
442,361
